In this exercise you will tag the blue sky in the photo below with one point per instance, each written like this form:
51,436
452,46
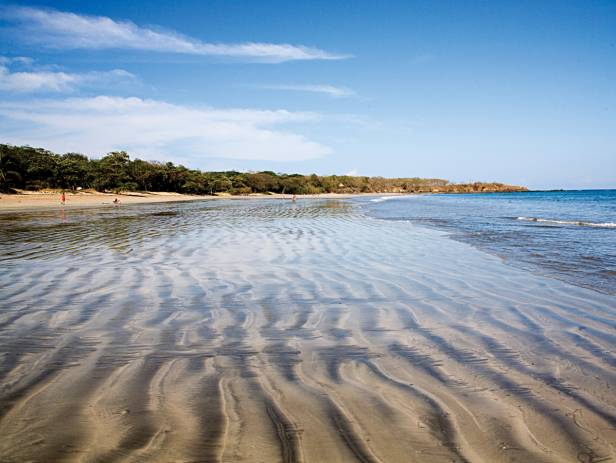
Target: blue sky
519,92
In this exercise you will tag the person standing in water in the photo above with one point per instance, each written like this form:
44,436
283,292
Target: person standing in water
62,198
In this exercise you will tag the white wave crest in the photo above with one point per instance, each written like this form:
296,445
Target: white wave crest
580,223
382,198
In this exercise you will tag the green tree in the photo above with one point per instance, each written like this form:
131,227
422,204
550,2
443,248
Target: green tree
113,172
9,175
35,168
72,171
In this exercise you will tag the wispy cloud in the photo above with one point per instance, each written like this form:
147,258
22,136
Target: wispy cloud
155,129
330,90
23,60
55,81
57,29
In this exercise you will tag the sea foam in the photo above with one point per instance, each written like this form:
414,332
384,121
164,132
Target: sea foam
579,223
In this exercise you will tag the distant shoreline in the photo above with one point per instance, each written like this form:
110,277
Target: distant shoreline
29,201
46,200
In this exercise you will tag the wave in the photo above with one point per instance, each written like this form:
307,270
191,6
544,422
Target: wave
381,199
579,223
387,198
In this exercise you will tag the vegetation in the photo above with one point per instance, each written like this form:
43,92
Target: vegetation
23,167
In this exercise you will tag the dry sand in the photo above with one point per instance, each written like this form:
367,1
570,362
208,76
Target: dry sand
264,331
51,200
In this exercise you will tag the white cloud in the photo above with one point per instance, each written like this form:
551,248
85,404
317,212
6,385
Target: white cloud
24,60
156,130
352,173
39,81
59,29
336,92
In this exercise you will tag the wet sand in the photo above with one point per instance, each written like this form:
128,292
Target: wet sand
264,331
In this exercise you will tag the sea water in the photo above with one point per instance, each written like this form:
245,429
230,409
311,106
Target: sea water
570,235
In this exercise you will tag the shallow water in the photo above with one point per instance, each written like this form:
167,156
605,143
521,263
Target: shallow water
270,331
569,235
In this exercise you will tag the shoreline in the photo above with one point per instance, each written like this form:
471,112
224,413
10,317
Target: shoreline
40,200
26,201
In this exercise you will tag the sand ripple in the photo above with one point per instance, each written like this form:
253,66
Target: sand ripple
269,331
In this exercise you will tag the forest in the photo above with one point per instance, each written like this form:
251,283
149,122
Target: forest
27,168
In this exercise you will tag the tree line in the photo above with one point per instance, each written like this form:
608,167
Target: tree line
27,168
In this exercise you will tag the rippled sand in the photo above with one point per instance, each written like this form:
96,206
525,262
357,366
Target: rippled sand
266,331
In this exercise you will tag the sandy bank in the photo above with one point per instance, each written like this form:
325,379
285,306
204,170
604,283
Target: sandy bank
45,200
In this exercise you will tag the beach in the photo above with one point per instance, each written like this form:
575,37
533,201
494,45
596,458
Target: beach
307,331
26,200
52,200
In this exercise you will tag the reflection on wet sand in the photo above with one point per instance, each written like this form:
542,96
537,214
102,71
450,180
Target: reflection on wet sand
272,331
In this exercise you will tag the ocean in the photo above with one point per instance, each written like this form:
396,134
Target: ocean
569,235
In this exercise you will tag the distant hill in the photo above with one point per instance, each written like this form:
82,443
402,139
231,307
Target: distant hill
23,167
